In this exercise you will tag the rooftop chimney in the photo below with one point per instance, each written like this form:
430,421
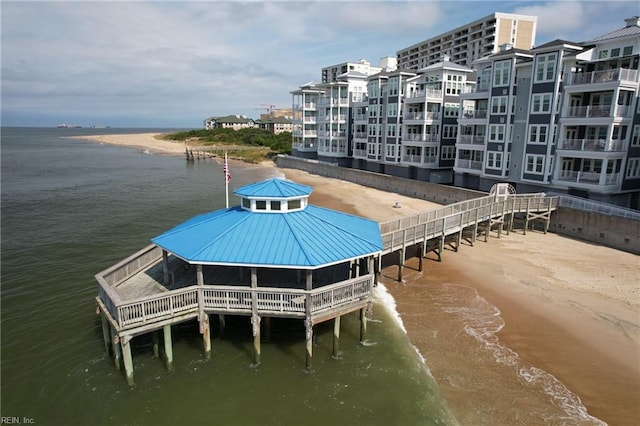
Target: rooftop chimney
633,21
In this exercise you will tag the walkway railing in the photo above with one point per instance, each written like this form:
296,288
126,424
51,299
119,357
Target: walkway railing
400,233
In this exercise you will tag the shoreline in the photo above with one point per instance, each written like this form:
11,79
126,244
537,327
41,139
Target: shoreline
569,307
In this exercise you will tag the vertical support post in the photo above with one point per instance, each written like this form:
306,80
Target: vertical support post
308,324
488,230
400,263
363,324
420,256
255,318
336,336
106,334
165,267
547,216
526,221
255,326
128,360
115,344
267,329
168,347
156,345
221,323
475,227
441,247
206,336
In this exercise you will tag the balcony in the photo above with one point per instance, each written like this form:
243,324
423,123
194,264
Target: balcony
619,74
598,111
590,178
421,116
360,117
474,88
327,100
424,94
592,145
360,135
417,137
468,164
419,160
474,114
470,140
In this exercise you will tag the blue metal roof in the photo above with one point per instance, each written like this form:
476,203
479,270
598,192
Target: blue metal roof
274,188
304,239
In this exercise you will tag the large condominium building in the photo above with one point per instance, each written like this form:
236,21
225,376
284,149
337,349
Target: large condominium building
472,41
560,117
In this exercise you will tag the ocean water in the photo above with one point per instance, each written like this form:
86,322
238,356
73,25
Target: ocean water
71,208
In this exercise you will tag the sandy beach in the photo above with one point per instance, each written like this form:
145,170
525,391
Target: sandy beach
562,317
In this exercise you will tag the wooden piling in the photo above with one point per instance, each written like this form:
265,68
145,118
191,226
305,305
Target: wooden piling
106,334
400,263
255,325
206,336
336,336
363,324
128,360
156,344
168,347
308,343
115,344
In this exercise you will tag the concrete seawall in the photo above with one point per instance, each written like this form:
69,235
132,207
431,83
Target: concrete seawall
610,231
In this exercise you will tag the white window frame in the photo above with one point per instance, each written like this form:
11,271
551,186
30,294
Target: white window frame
392,110
499,104
451,110
448,152
391,130
635,137
494,160
501,73
633,168
497,132
545,68
540,99
538,134
450,131
534,164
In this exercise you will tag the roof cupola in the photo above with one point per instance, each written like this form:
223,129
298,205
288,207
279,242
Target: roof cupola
274,196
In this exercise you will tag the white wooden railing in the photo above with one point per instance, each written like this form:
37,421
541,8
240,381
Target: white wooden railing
185,302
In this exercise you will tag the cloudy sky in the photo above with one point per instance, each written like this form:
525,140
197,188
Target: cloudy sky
172,64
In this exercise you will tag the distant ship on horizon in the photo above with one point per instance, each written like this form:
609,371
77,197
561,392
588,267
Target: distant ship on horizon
69,126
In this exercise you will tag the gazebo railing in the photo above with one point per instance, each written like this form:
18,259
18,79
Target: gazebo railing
185,302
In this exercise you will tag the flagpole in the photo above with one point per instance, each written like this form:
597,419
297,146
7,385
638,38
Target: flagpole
226,178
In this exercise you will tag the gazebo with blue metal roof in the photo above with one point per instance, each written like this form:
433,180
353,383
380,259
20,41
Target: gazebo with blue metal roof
274,255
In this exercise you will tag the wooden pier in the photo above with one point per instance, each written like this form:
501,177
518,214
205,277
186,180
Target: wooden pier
152,290
431,230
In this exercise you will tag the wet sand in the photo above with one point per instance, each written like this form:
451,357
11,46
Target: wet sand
568,307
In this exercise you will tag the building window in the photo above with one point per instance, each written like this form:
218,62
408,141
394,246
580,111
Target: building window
534,164
261,205
545,67
392,110
628,50
496,133
448,152
373,89
499,105
494,160
501,72
391,150
451,110
449,131
246,203
275,205
615,52
294,204
635,139
603,54
633,168
453,85
391,130
538,134
541,103
393,86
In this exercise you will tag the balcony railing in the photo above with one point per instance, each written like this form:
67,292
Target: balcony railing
591,178
594,111
614,145
468,164
429,115
420,160
424,94
619,74
470,139
478,113
475,88
417,137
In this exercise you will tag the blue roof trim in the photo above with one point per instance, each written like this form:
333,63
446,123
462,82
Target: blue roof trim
274,188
